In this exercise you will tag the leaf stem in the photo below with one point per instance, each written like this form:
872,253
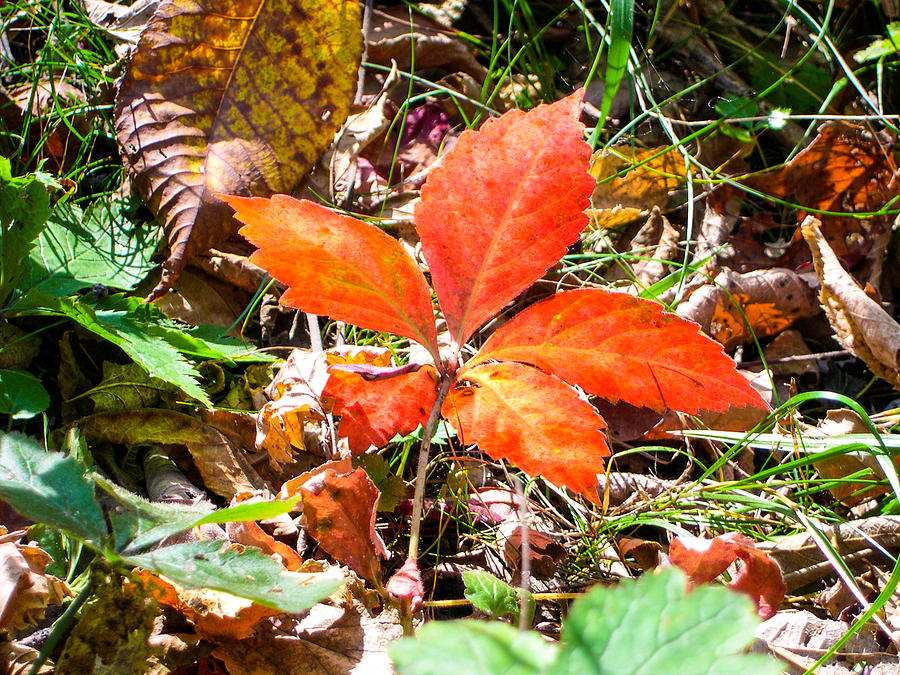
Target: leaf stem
448,377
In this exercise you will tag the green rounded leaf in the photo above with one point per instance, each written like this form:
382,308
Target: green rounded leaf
653,626
473,648
22,395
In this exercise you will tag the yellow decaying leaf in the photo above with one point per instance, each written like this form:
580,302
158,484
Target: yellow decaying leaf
618,199
234,97
860,324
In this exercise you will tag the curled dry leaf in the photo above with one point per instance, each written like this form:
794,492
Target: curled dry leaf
702,560
25,591
339,510
771,300
246,109
860,324
220,460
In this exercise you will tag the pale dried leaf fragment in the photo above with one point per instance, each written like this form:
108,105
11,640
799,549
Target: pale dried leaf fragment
860,324
25,591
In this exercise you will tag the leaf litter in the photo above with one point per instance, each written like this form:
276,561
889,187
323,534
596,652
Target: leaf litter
750,278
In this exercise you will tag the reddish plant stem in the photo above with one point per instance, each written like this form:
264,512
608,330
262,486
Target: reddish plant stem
448,377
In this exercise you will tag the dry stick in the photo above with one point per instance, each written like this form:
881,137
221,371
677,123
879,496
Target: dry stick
447,378
799,358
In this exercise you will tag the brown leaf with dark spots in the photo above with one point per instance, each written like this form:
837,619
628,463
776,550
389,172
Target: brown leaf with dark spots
768,300
340,514
237,98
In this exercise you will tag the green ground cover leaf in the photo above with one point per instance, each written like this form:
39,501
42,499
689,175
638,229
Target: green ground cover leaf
151,352
22,396
249,574
474,648
24,209
493,595
49,488
80,248
653,626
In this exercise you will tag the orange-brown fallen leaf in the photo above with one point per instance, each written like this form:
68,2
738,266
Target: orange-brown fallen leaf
702,560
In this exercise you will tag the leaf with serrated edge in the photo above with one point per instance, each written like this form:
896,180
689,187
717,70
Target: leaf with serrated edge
373,411
340,514
238,97
248,574
623,348
504,206
338,266
652,626
534,420
49,488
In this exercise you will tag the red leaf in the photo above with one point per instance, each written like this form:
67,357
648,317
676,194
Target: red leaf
702,560
505,205
340,514
338,266
623,348
532,419
375,410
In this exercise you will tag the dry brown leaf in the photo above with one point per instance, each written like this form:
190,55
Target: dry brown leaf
652,173
857,542
771,300
801,637
25,591
249,533
860,324
845,170
427,44
221,462
332,639
216,615
244,109
339,510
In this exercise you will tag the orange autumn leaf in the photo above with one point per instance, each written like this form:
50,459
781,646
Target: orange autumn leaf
378,403
338,266
340,514
534,420
504,206
623,348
